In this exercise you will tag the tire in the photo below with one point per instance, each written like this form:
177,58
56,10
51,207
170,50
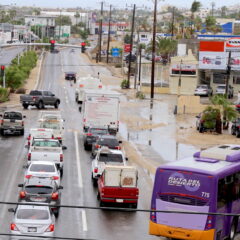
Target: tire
61,172
133,205
56,104
233,230
98,196
238,134
2,132
201,129
101,203
94,181
25,106
56,213
22,132
233,132
40,105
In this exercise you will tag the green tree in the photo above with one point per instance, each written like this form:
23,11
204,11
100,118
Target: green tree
194,8
127,39
210,117
63,20
198,23
223,11
228,113
12,14
83,34
37,11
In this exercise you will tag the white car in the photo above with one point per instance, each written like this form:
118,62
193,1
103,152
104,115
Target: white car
106,156
47,150
43,169
221,90
54,115
32,220
203,90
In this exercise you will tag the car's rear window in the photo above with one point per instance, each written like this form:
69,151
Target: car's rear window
204,87
39,189
110,157
35,93
42,168
46,143
111,143
221,87
12,115
98,131
33,214
51,125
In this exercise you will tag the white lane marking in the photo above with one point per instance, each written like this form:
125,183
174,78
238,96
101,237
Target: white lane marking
80,181
84,220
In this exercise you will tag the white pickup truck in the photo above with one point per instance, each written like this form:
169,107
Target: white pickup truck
101,108
86,83
47,150
42,133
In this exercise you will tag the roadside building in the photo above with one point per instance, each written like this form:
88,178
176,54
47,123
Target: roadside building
183,78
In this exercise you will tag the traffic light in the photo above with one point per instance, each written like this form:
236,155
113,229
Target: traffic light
52,47
83,44
2,70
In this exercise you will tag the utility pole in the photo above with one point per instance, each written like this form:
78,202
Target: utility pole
213,5
136,68
180,78
131,46
228,73
140,66
153,49
173,15
60,26
109,30
100,35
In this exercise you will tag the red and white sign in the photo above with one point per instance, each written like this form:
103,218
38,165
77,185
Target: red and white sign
127,48
233,43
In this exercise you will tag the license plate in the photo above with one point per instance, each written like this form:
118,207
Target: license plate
38,199
119,200
12,120
32,229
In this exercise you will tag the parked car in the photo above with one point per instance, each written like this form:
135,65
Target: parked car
92,135
42,191
133,58
235,129
12,122
221,89
109,141
39,99
70,76
32,220
106,156
43,169
203,90
118,185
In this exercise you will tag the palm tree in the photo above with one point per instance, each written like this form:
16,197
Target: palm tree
194,8
228,113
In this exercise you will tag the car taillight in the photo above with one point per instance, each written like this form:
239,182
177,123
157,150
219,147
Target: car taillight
2,122
29,137
54,196
22,194
29,156
13,227
59,138
95,170
52,137
88,134
61,157
28,176
118,148
98,146
209,222
100,86
34,98
50,228
81,85
55,178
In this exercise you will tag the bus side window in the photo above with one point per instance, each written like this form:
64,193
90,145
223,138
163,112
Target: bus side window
236,186
222,193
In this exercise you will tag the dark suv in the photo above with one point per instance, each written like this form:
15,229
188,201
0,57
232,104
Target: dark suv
70,76
109,141
235,130
92,135
42,190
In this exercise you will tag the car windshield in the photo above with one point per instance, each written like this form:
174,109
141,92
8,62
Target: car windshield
98,131
110,157
33,214
221,87
42,168
12,115
39,189
46,143
51,125
111,142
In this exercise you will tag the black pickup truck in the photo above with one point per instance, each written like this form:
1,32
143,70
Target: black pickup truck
39,99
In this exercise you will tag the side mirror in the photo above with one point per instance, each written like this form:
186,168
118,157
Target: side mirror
120,142
11,210
53,95
20,185
60,187
24,116
126,158
64,148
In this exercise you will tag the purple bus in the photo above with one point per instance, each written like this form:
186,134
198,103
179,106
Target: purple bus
207,182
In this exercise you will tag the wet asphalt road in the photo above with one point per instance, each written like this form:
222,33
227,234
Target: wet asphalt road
78,189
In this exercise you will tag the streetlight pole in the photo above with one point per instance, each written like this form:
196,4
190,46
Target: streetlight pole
153,49
100,35
109,29
60,26
131,46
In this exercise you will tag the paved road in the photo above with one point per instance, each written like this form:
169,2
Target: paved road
78,189
8,54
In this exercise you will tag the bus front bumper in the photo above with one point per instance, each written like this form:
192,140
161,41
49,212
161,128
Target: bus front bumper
180,233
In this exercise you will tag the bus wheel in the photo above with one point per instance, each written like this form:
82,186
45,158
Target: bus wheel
233,229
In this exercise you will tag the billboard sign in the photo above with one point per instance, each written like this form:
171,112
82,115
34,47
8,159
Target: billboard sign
127,47
233,44
213,60
115,52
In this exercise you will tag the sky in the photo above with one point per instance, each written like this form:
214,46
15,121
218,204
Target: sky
118,3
